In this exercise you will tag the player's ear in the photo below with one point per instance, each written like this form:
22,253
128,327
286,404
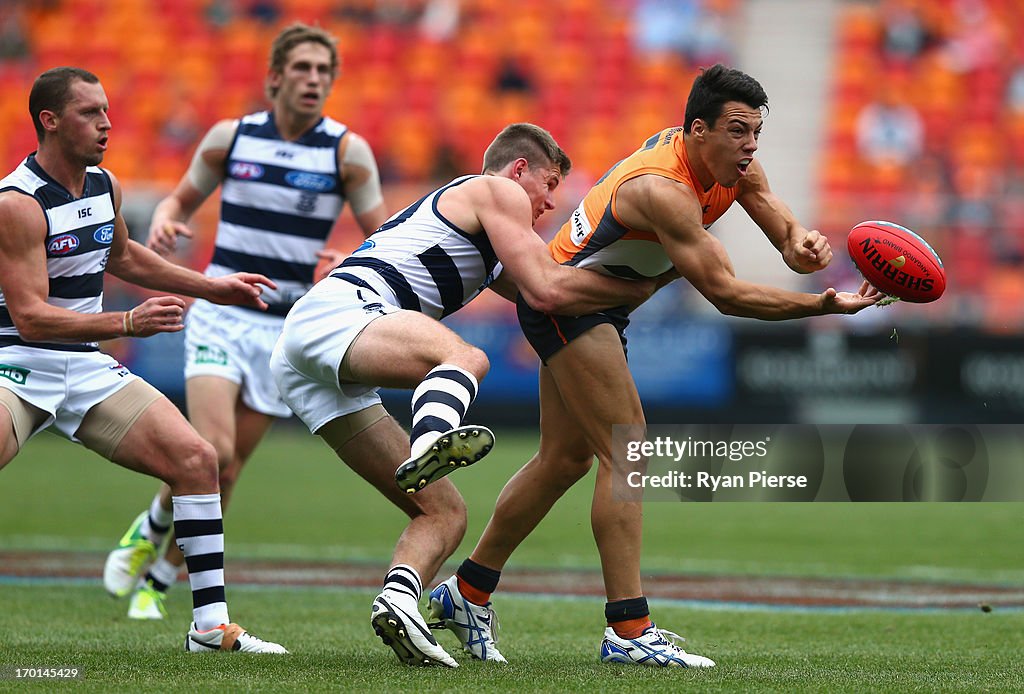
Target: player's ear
697,128
48,119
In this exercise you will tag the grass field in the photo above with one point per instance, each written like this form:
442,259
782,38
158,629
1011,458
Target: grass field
296,502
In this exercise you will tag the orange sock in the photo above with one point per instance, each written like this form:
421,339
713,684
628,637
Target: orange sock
631,628
474,595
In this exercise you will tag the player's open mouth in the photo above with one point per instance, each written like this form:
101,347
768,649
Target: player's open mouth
743,165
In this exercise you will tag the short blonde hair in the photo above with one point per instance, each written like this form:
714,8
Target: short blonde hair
529,141
292,36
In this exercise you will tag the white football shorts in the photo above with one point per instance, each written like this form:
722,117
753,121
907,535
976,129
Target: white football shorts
317,334
64,384
235,344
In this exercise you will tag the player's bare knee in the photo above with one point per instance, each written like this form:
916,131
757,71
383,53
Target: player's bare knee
228,477
472,359
225,454
195,465
441,500
574,469
567,466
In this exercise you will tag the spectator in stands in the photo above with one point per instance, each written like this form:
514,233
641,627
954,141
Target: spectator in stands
13,34
905,35
265,11
688,28
978,40
512,77
889,131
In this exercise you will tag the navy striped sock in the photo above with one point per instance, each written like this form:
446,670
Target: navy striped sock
199,527
439,403
157,523
402,578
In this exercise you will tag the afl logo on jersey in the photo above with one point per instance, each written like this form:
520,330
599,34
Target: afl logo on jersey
63,244
245,170
104,235
365,246
309,181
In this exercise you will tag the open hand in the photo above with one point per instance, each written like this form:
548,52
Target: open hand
846,302
241,289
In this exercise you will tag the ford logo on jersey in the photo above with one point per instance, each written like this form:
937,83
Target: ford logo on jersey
364,246
105,234
309,181
62,245
243,169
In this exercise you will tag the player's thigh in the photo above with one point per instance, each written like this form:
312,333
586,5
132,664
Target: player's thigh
596,387
397,350
143,431
562,440
211,402
18,421
376,452
108,423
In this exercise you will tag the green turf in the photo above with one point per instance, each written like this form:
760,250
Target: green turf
296,501
334,648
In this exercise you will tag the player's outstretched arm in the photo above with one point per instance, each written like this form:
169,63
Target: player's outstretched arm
138,265
504,212
803,250
672,211
205,173
25,285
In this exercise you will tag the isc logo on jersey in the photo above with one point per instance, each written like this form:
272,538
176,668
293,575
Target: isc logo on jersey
63,244
104,235
246,170
309,181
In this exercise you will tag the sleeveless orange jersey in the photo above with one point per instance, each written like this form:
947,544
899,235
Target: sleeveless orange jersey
594,237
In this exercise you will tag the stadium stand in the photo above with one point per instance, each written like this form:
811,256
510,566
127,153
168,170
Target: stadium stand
952,67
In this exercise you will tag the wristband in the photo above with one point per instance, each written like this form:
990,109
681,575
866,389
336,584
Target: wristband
129,323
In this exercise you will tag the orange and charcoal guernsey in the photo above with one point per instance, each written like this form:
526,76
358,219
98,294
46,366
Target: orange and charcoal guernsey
596,239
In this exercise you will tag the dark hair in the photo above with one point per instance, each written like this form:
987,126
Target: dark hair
716,85
292,36
52,91
526,140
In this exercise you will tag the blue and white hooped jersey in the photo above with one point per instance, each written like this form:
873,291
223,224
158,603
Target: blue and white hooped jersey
79,232
279,201
422,262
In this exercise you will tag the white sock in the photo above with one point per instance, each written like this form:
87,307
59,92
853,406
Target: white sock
162,574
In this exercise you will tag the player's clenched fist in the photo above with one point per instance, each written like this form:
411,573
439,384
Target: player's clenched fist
161,314
809,253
